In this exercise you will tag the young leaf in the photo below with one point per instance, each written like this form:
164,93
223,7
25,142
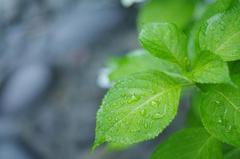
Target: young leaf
165,41
178,12
220,111
221,34
139,61
234,154
193,143
210,68
137,108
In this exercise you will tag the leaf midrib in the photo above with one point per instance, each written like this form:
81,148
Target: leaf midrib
226,42
202,147
228,100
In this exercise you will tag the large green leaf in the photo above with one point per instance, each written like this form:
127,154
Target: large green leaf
218,6
194,143
139,61
204,12
221,34
166,41
178,12
210,68
137,108
220,111
234,154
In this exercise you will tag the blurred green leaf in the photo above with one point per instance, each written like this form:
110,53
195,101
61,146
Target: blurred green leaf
139,61
234,154
193,117
178,12
188,144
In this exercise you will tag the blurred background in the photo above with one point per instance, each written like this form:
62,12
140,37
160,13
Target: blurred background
51,53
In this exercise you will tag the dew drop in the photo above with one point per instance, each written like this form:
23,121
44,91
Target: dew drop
154,103
217,102
132,99
157,116
229,128
220,121
109,118
145,125
132,130
143,112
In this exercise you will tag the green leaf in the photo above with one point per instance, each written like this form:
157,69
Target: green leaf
178,12
203,13
137,108
139,61
227,148
220,111
166,41
210,68
216,7
194,143
118,146
234,67
193,116
221,34
234,154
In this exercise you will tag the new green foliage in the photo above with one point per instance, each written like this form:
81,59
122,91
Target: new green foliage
139,61
166,41
210,68
147,84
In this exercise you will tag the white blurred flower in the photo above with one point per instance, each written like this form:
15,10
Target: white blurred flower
103,80
128,3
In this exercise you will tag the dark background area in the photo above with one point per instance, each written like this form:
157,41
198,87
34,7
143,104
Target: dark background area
51,52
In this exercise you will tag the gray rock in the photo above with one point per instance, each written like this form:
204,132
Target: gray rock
57,4
8,9
25,86
79,28
9,128
13,151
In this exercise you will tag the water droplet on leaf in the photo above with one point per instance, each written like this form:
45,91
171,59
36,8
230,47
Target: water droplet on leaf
158,116
154,103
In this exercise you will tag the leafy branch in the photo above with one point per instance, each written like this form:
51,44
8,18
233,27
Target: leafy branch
147,85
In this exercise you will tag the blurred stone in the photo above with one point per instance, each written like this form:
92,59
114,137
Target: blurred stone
8,9
11,150
58,4
9,128
78,29
75,37
25,86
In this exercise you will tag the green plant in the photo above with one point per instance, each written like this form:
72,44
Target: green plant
203,55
